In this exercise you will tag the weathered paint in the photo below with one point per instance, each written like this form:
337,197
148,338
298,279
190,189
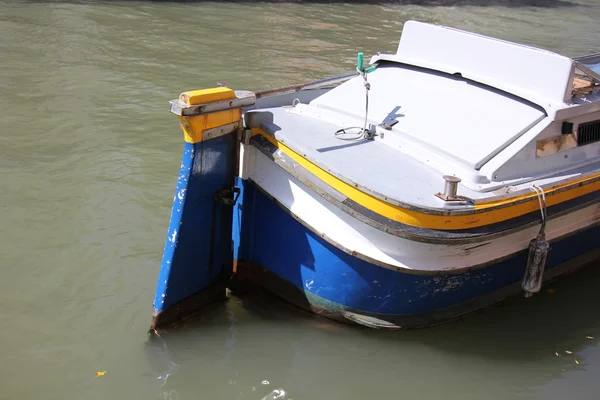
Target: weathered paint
300,266
197,253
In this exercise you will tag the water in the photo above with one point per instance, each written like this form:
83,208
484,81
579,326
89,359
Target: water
88,160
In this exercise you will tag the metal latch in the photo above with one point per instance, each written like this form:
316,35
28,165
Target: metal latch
391,119
228,196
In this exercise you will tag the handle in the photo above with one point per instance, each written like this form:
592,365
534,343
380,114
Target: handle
360,62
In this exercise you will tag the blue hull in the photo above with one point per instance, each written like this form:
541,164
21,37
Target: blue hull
197,259
278,252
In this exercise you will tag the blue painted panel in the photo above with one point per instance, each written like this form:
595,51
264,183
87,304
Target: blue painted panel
294,253
197,249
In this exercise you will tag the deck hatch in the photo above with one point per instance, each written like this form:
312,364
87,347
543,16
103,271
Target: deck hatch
588,132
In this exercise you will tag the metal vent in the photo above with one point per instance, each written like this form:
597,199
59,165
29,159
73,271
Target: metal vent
588,132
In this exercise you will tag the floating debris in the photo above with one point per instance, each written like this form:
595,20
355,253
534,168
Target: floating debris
576,362
589,337
277,394
556,352
100,373
568,352
265,382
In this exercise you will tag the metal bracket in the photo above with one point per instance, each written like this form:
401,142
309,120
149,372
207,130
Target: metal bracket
228,196
243,98
370,133
246,134
220,131
388,125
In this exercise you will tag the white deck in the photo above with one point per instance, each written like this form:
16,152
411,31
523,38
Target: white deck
371,165
466,122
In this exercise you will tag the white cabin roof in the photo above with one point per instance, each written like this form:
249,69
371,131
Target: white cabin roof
453,117
538,75
464,105
461,96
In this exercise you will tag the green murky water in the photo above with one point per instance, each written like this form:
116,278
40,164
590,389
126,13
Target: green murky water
88,160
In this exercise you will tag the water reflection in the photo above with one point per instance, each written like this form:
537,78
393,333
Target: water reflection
518,347
159,357
422,3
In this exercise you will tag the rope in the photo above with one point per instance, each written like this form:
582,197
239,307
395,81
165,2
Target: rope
363,133
542,201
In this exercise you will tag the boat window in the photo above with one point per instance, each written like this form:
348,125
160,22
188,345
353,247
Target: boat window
588,132
587,74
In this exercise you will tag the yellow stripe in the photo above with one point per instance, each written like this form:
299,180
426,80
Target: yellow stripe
484,213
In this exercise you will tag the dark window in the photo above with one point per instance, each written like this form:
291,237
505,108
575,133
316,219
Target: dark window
588,132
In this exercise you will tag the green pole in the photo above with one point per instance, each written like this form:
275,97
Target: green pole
360,62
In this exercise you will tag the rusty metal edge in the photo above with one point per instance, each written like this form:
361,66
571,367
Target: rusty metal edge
304,86
188,306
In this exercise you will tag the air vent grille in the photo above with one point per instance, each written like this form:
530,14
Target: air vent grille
588,132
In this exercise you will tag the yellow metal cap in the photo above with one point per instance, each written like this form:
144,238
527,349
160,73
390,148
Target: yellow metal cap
205,96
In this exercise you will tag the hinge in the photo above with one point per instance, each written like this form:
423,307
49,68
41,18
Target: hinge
228,196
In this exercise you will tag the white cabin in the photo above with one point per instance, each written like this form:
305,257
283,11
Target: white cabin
491,112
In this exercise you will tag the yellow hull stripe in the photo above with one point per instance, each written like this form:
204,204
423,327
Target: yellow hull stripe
483,213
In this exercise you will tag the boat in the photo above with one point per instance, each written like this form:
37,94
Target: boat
432,182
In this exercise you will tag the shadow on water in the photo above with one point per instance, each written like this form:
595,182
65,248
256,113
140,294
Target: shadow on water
245,340
563,315
423,3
